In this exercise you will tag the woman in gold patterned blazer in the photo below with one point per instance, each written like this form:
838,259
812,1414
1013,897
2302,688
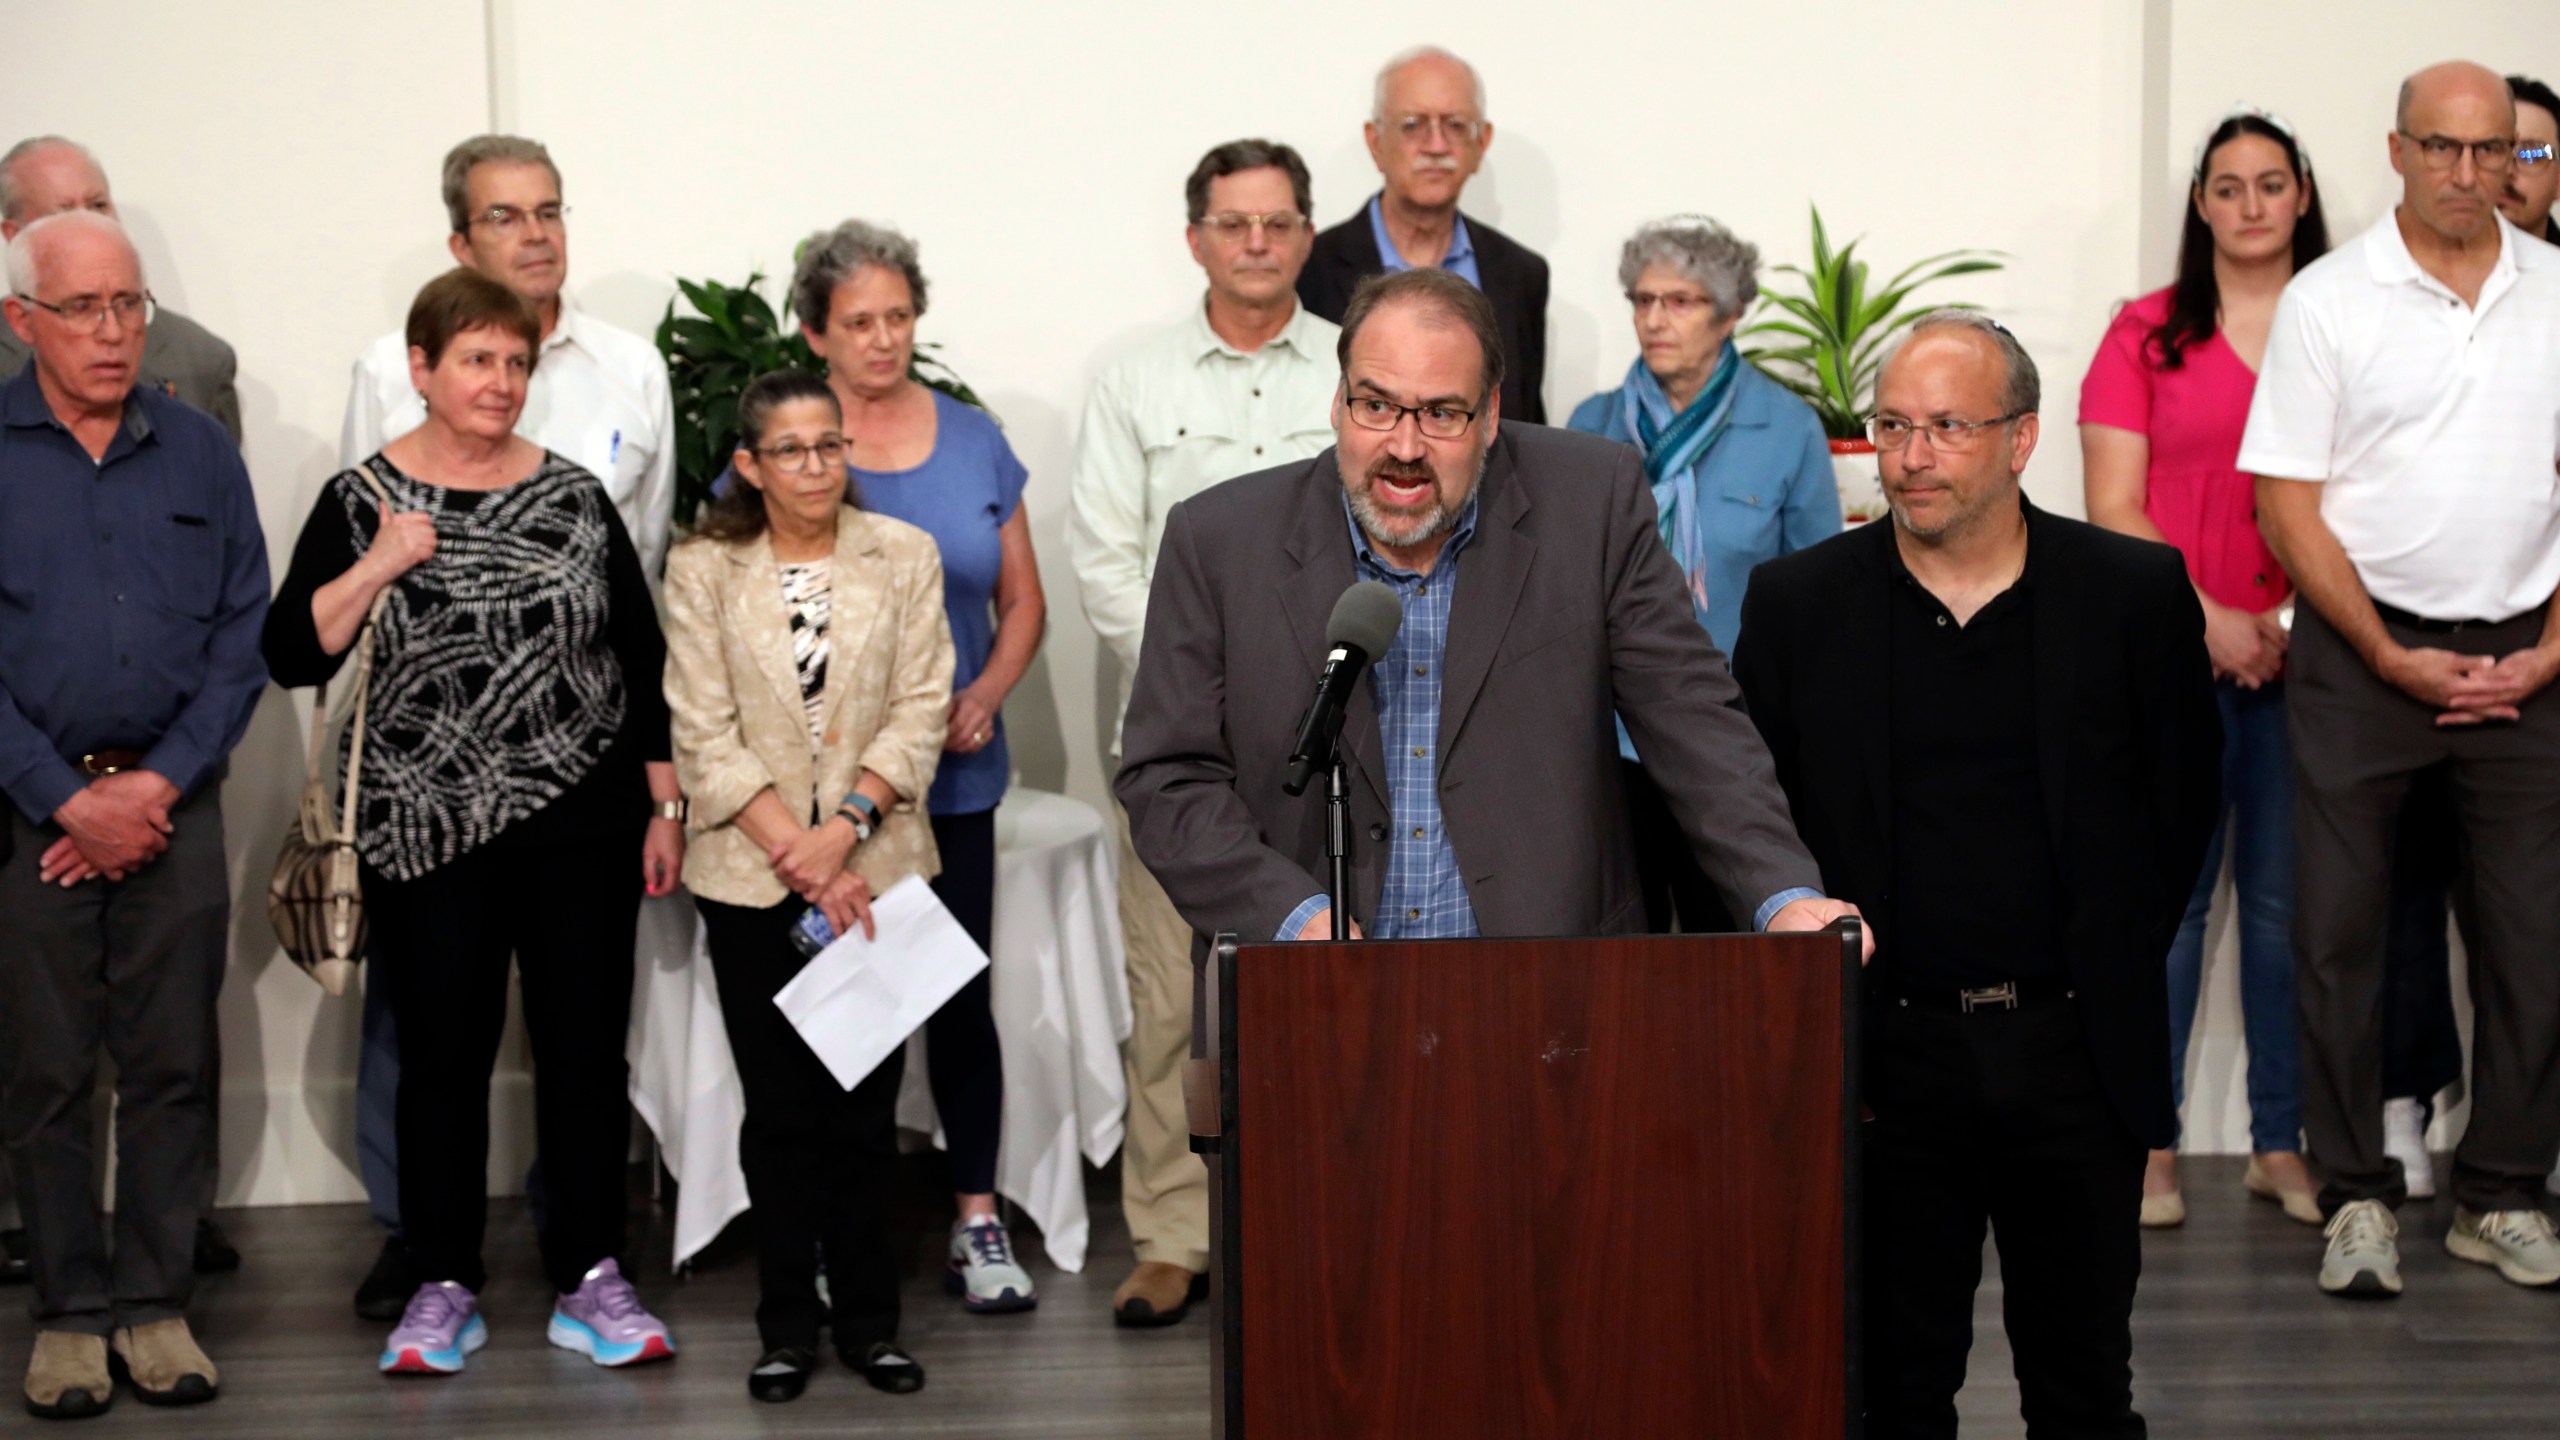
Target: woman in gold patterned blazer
808,676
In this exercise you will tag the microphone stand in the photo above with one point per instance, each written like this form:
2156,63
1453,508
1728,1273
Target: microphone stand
1337,842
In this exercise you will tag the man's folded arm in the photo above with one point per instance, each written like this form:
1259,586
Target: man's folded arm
1177,780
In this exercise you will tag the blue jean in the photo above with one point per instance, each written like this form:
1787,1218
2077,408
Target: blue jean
2257,791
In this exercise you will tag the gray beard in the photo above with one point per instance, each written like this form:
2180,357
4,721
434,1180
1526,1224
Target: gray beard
1375,525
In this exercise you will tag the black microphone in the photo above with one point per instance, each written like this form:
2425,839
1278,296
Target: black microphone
1363,626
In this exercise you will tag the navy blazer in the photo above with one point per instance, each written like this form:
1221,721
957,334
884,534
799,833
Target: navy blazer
1513,277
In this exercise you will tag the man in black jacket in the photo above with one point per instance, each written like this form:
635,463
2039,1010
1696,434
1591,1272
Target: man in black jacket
1997,732
1428,134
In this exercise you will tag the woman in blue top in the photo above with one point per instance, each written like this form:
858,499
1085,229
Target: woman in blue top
1741,473
944,467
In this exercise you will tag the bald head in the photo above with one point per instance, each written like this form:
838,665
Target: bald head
51,246
47,175
2455,84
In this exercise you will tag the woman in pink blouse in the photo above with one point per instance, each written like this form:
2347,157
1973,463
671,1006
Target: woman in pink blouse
2160,419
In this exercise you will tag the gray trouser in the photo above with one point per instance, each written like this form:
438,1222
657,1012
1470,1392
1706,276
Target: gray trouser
133,967
2358,743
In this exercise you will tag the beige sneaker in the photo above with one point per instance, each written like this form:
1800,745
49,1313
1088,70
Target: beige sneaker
2520,1243
164,1366
2363,1261
2301,1204
67,1377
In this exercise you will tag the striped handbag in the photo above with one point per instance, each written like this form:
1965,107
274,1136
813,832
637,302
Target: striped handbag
314,901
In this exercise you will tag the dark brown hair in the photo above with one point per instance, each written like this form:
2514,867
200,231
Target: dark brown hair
1237,156
2195,301
460,300
737,511
1434,289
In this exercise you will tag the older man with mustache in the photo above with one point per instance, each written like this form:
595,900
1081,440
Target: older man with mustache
1538,601
1428,133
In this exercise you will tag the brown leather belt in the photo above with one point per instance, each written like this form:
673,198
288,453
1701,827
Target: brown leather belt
108,762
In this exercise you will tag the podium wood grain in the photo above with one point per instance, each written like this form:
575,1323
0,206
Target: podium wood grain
1539,1188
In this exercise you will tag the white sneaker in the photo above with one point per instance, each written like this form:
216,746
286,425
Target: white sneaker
2364,1252
2404,1138
2520,1243
983,1272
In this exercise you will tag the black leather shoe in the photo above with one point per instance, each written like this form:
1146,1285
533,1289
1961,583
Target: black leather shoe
886,1367
782,1374
215,1254
13,1257
387,1287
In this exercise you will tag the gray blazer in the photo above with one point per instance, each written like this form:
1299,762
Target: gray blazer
180,358
1568,610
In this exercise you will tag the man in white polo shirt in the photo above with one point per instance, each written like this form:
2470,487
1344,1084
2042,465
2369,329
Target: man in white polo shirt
2403,436
1243,384
599,396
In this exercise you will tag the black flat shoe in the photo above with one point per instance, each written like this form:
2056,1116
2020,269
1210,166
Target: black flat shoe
887,1368
215,1254
387,1287
782,1374
13,1257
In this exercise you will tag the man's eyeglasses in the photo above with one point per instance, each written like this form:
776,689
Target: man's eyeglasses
1282,226
508,220
2534,157
90,312
1892,432
2443,152
792,455
1677,304
1437,422
1459,129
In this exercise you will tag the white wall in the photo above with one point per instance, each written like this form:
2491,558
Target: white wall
278,162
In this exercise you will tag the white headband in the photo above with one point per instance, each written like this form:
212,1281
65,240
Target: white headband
2242,110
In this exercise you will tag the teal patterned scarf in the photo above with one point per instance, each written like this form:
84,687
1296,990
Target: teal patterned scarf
1673,444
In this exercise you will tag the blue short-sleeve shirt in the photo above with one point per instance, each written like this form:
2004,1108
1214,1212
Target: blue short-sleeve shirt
961,495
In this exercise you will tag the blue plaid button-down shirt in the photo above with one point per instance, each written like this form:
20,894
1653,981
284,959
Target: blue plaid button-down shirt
1424,898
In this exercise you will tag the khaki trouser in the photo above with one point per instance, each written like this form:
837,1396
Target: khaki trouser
1164,1188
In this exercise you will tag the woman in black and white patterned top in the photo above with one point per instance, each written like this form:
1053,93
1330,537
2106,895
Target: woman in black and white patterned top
516,736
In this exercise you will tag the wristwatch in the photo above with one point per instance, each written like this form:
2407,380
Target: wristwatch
857,807
677,810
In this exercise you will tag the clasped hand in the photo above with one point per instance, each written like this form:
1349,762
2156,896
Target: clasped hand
2470,689
113,826
811,862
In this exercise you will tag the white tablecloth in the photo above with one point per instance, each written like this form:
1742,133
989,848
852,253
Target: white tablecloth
1062,1011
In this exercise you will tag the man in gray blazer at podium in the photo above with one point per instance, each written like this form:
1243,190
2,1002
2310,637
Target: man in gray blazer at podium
1538,601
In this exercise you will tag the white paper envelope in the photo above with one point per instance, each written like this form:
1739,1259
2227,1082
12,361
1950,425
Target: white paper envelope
860,999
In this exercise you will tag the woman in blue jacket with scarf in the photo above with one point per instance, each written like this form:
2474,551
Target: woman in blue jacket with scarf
1741,473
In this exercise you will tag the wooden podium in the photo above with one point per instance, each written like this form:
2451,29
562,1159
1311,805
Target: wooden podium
1532,1188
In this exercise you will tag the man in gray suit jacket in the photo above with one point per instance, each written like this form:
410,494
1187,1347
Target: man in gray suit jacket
1538,602
44,176
180,358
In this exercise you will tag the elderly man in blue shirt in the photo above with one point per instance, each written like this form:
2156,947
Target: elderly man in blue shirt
133,584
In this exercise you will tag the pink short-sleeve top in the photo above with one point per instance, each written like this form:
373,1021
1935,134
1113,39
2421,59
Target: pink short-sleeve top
2193,417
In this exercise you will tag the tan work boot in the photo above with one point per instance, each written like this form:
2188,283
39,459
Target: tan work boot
1156,1294
160,1360
67,1377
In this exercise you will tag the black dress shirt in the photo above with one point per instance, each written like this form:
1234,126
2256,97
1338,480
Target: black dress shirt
1978,895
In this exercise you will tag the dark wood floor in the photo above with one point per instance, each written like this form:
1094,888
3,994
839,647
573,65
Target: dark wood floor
2231,1340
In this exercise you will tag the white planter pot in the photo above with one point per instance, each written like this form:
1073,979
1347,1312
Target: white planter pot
1853,473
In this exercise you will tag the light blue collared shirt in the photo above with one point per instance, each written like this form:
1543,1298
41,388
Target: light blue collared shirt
1460,261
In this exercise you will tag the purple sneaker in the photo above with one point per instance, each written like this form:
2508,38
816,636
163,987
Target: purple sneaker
604,1322
440,1328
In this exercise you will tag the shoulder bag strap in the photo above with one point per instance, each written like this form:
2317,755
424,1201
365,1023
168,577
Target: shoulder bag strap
364,684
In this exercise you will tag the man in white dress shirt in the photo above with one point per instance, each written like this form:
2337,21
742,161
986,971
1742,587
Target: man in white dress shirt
2403,437
599,394
1244,383
600,397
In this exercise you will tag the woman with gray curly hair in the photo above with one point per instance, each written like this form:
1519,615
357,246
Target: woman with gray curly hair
920,456
1740,469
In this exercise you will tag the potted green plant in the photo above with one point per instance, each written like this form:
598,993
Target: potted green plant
1827,343
733,335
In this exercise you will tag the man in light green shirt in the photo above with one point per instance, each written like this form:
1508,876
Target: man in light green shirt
1244,383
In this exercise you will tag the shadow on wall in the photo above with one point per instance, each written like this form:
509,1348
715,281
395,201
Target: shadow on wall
259,798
